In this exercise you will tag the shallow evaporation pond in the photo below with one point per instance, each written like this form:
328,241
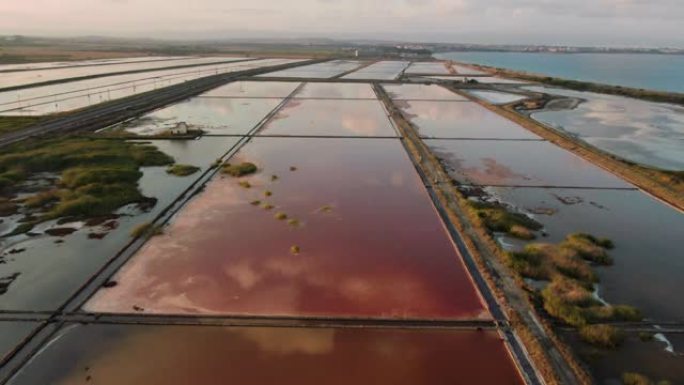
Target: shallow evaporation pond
320,70
12,333
647,235
519,163
49,269
497,97
420,92
222,116
384,70
337,91
640,131
28,77
428,68
315,117
247,89
460,120
76,94
481,79
645,357
112,354
366,241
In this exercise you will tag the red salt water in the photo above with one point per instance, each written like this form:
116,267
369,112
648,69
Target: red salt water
371,243
169,355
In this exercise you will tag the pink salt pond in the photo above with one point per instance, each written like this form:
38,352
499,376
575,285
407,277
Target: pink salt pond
208,355
365,241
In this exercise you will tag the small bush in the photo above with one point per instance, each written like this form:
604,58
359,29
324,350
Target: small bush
267,206
255,202
81,176
631,378
293,222
242,169
521,232
326,209
21,229
528,263
295,249
280,216
603,336
182,170
589,248
7,207
621,313
571,291
42,199
558,308
245,184
268,193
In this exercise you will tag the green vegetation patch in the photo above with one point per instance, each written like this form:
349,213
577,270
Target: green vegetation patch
15,123
603,336
590,248
182,169
566,265
96,176
496,217
632,378
238,170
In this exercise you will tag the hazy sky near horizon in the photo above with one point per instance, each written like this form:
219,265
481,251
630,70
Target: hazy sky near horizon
579,22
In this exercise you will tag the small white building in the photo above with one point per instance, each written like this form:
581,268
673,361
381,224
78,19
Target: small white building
180,129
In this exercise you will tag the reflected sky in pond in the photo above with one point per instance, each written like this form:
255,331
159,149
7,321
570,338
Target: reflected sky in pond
647,235
519,163
49,269
637,130
370,242
496,97
440,119
330,118
212,115
207,355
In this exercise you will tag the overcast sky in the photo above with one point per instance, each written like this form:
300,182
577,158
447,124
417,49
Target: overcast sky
572,22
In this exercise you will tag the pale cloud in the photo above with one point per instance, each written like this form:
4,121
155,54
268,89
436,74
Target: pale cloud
626,22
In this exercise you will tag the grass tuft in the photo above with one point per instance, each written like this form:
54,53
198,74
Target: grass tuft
326,209
242,169
182,170
602,336
497,217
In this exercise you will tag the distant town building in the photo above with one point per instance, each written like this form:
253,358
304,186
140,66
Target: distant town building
180,129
